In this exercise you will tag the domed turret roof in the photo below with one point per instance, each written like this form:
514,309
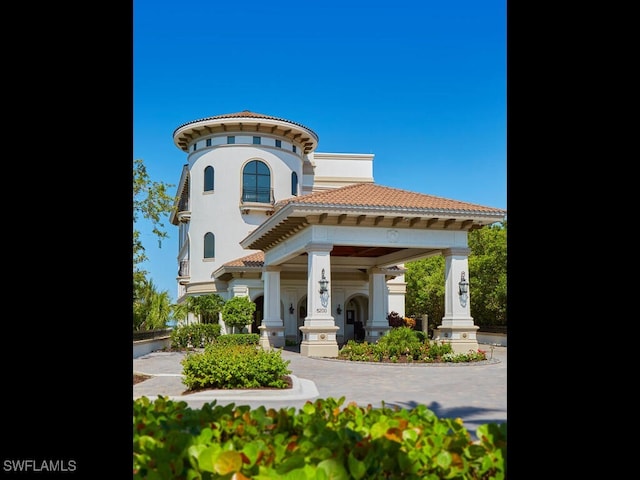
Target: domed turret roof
245,121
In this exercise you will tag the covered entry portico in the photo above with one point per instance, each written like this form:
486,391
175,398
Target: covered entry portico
365,230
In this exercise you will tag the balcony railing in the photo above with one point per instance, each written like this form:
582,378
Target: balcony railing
257,199
257,195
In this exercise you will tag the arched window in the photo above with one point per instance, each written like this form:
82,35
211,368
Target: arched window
256,182
208,179
209,245
294,183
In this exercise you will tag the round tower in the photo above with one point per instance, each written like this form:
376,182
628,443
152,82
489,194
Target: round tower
239,166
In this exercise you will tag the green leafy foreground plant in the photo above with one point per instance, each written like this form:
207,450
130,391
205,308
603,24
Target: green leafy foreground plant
322,440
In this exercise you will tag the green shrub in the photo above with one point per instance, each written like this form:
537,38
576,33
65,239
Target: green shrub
441,350
237,312
321,440
238,339
235,366
398,341
353,350
422,336
194,335
403,343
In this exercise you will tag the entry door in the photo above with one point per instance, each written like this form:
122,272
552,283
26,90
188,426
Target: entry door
349,332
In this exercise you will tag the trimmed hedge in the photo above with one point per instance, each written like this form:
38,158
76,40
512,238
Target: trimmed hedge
194,335
238,339
235,366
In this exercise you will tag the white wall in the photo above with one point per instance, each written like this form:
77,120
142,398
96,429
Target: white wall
333,170
219,211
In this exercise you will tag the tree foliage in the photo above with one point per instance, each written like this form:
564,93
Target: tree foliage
151,309
487,279
238,312
207,307
488,274
151,202
425,288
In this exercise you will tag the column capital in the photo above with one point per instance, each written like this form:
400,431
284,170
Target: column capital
318,247
374,270
465,251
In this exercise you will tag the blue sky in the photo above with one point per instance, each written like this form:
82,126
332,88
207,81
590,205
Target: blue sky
420,84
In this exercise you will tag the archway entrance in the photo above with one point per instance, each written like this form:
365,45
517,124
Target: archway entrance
356,317
258,315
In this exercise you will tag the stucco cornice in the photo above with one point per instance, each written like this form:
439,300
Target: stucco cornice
293,217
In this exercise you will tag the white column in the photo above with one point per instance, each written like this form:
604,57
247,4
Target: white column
397,289
318,306
457,324
272,328
319,330
456,306
378,306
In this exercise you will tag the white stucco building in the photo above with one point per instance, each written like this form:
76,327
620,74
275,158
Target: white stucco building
308,236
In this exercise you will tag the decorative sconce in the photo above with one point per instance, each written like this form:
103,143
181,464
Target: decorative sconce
463,285
291,309
338,310
323,284
463,290
324,291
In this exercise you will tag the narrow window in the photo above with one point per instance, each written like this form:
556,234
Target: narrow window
208,179
195,145
209,245
231,139
294,149
279,143
294,183
256,182
256,140
208,142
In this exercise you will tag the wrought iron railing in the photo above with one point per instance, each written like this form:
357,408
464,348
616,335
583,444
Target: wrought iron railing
151,334
257,195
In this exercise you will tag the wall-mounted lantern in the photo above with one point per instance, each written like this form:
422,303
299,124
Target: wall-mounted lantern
463,290
291,309
323,284
463,285
324,290
338,310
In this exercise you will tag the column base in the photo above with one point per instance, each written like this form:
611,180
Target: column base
462,339
271,337
319,341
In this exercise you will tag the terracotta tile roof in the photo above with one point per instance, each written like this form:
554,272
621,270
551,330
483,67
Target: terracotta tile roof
245,114
373,195
253,260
